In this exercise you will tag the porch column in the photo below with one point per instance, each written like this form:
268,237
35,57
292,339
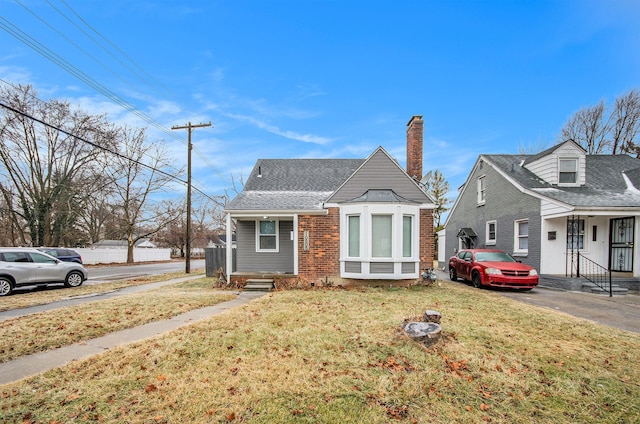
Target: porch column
229,247
295,244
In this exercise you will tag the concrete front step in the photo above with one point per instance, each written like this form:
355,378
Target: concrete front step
592,288
259,285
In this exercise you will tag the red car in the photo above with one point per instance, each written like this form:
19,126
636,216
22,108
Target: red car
491,268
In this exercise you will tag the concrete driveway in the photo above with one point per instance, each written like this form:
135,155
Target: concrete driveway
620,311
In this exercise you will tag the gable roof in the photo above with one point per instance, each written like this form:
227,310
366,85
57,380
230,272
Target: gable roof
304,185
380,172
292,184
533,158
605,185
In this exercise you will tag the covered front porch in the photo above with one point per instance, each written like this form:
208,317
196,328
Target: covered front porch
571,243
266,246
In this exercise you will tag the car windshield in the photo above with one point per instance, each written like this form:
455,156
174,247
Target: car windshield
493,257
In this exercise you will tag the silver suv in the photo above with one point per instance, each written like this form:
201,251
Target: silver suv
29,267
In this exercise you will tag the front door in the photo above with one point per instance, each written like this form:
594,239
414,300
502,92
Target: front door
621,244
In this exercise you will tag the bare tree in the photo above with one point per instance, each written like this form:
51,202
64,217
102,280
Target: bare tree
437,187
589,128
44,165
532,149
600,130
626,124
137,175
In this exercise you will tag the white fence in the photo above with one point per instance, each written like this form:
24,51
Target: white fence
116,256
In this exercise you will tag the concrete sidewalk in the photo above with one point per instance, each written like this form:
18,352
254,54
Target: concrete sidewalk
78,300
30,365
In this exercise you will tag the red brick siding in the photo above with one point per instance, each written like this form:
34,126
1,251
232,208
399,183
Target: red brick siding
323,257
427,242
415,129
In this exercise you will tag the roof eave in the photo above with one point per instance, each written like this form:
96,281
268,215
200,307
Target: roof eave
271,212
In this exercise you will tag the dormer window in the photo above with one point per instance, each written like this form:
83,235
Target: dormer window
568,171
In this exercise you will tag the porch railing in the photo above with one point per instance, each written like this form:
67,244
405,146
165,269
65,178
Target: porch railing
593,272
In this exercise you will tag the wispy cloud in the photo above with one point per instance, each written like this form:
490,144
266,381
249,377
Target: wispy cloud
292,135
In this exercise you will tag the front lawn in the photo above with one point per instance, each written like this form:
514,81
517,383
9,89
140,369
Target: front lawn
340,356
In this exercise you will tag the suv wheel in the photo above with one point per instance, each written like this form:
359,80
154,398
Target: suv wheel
6,286
74,279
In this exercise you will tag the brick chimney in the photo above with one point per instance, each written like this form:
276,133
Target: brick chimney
414,147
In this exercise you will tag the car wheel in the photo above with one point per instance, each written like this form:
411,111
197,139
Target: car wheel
452,274
475,280
6,286
74,279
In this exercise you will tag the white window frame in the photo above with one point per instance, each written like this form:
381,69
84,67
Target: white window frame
349,235
391,237
259,235
410,246
576,161
488,240
517,237
481,190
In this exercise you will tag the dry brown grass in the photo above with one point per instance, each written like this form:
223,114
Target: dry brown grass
339,356
59,292
60,327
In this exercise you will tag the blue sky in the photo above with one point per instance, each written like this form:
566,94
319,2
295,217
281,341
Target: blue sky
329,78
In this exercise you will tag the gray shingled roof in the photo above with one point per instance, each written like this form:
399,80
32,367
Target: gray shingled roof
605,185
292,184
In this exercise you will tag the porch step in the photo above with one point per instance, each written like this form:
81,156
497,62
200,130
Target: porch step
615,289
259,285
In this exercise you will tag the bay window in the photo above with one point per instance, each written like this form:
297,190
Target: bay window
379,240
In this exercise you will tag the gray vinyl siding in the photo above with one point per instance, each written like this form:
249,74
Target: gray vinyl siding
353,267
381,267
505,204
379,172
408,267
248,260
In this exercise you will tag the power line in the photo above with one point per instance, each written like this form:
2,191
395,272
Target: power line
71,69
145,77
97,146
82,76
44,102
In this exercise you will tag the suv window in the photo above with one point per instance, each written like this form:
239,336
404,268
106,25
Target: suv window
16,257
37,257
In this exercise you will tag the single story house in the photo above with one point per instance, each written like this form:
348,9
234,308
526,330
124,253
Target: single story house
337,220
547,208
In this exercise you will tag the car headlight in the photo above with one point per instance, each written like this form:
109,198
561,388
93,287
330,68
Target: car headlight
533,273
492,271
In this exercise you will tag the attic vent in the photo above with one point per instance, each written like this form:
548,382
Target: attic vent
259,172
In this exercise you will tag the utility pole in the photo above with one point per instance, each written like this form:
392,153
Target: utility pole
189,127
